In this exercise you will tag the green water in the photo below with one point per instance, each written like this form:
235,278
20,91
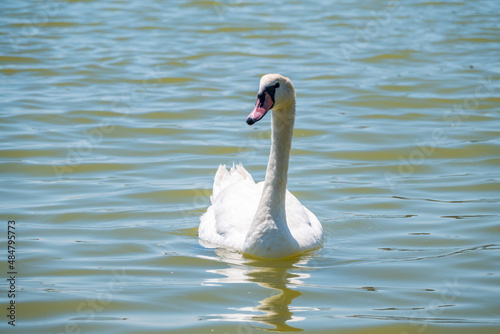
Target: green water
116,114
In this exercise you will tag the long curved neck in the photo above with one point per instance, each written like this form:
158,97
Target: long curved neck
273,195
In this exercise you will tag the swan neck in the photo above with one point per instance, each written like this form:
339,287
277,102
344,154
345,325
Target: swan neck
274,193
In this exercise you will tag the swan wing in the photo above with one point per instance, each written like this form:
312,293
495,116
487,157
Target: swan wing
234,203
304,226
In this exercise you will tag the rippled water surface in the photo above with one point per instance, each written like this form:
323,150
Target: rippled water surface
116,114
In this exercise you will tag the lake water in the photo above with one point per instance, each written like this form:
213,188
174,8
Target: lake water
116,114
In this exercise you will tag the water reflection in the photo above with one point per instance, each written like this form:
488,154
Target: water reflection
277,276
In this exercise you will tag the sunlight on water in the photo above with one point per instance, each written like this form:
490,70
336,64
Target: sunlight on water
116,115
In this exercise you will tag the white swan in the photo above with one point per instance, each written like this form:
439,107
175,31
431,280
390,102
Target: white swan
264,219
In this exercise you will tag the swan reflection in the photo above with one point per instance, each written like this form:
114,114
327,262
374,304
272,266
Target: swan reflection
280,277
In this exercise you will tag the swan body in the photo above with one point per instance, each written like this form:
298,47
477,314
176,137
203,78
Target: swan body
262,219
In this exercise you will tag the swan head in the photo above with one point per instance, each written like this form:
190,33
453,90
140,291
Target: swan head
275,92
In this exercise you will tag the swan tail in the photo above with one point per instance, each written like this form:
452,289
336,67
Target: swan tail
225,177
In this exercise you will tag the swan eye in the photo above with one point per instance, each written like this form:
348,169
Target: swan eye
277,85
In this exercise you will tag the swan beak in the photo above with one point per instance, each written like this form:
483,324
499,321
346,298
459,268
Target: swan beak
262,106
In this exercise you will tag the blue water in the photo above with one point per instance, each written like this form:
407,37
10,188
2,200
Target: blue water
116,115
